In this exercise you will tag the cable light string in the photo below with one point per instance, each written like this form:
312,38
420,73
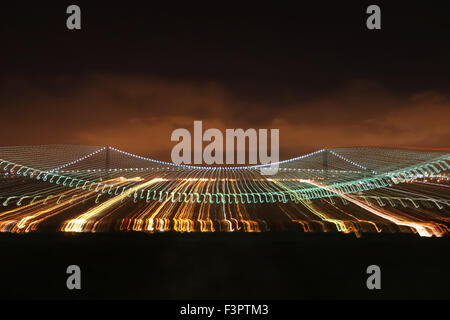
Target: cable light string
78,160
344,181
217,167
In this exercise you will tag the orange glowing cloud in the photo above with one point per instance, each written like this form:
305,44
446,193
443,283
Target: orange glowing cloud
138,114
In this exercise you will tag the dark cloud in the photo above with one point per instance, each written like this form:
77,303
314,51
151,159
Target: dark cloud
138,113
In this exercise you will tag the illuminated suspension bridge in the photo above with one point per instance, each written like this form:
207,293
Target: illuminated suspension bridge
102,189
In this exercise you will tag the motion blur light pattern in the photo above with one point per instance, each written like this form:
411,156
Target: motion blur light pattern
103,189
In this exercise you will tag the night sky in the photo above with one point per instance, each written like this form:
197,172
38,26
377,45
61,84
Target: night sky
137,71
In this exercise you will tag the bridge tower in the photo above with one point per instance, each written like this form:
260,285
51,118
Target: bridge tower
325,162
107,162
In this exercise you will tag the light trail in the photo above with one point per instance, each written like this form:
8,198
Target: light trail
423,228
78,224
96,189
